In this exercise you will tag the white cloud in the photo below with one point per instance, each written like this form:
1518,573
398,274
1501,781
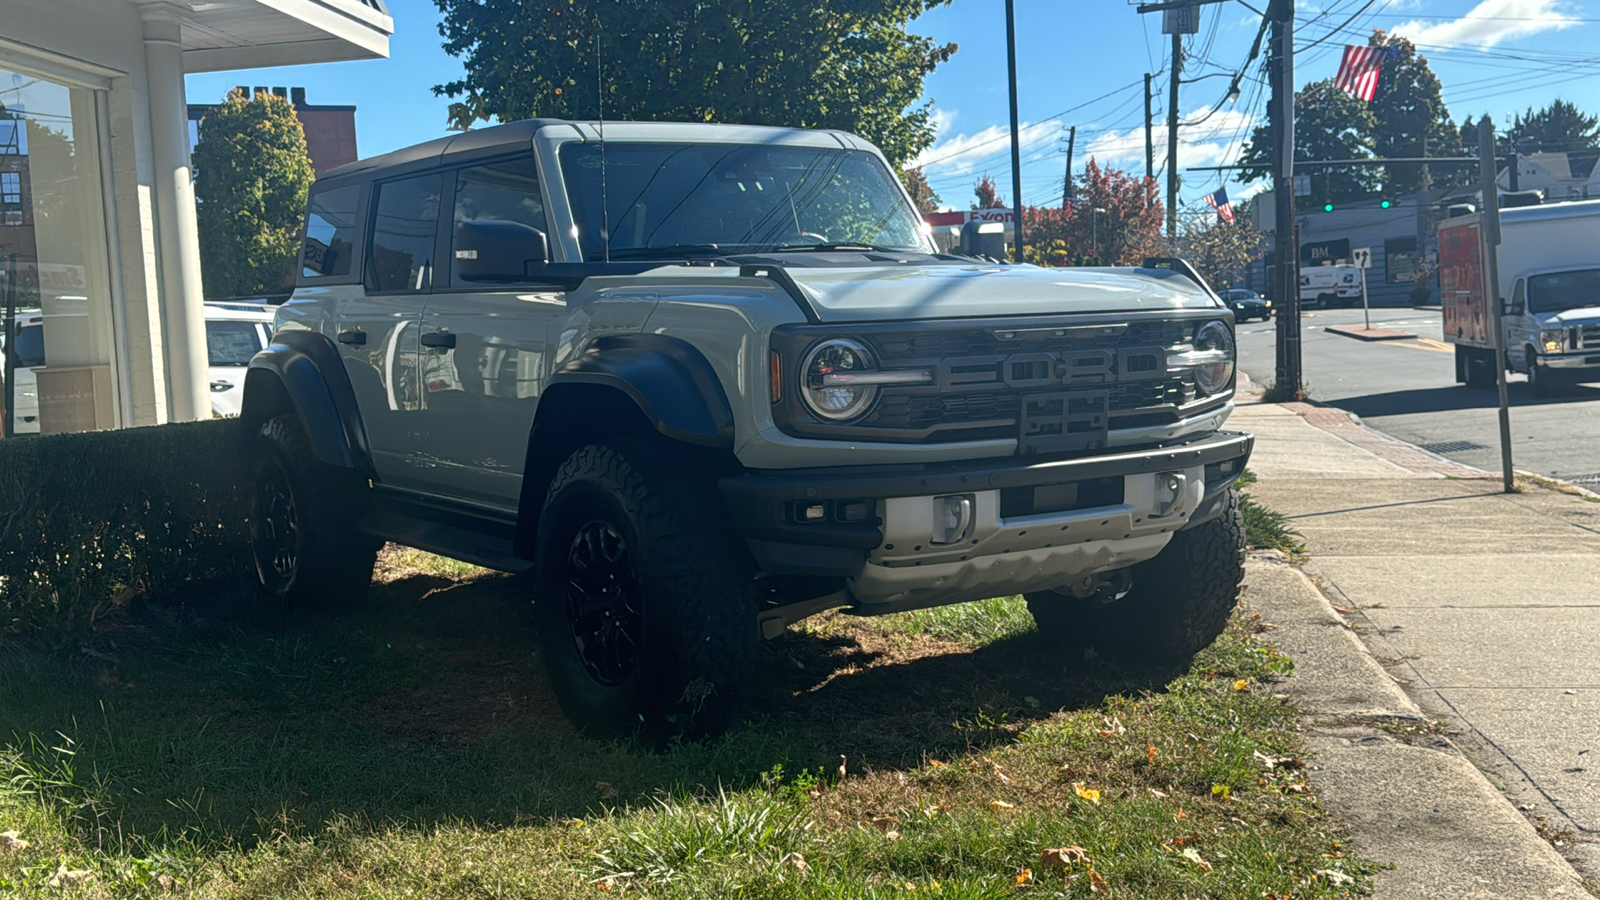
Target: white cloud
981,151
1216,141
1491,22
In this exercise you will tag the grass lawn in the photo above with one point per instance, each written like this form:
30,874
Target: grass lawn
204,748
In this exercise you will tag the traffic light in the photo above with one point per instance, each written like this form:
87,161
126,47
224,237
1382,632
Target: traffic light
1327,207
1384,203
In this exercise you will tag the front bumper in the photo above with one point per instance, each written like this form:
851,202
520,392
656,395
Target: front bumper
1107,512
1568,361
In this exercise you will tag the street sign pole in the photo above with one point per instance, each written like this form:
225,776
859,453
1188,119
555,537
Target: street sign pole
1362,257
1491,290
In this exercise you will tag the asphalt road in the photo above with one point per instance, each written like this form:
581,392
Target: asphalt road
1407,389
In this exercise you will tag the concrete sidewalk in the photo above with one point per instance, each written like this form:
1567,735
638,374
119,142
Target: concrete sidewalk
1445,637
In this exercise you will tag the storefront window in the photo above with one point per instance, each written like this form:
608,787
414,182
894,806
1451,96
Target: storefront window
54,288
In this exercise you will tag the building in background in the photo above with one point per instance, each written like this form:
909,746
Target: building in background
330,130
97,215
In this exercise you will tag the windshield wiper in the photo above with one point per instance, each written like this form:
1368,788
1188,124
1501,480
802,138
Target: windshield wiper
668,251
839,245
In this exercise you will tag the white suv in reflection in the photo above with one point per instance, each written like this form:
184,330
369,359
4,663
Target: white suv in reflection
234,333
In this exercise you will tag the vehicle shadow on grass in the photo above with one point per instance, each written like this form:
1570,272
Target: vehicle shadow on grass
208,718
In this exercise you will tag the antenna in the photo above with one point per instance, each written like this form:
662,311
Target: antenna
605,208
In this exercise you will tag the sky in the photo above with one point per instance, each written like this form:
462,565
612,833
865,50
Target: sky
1079,63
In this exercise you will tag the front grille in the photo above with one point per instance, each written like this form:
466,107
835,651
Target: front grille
901,408
1588,337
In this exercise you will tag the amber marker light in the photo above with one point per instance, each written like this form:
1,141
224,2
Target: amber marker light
776,375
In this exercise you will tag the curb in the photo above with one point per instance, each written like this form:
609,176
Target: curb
1369,334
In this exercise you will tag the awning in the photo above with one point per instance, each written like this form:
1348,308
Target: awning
219,35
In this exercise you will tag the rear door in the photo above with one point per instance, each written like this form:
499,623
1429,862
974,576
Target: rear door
377,327
484,357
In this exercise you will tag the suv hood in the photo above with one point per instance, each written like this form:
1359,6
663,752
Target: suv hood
880,293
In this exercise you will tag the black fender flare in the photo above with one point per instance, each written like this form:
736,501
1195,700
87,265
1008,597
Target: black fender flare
673,385
665,380
302,370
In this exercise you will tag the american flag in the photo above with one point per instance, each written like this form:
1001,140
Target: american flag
1220,202
1358,71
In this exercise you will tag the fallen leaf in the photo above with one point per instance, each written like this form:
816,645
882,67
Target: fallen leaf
931,810
1097,883
166,882
607,792
1004,780
1113,727
605,884
891,835
935,763
1335,877
10,841
1241,684
1159,795
1087,793
1150,754
1193,855
1023,877
1000,805
1064,857
797,861
1221,790
883,823
65,877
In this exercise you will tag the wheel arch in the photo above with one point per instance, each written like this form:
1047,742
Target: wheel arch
622,384
301,373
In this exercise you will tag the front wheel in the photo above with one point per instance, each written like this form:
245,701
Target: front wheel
645,595
1177,604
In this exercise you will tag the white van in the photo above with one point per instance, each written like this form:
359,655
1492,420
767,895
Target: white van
1325,286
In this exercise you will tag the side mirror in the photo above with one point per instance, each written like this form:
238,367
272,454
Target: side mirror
493,250
1510,308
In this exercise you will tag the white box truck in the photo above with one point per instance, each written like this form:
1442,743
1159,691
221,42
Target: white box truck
1548,295
1325,286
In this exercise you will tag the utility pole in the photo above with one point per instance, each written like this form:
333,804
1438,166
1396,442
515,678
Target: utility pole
1149,132
1490,229
1066,186
1016,151
1172,139
1285,245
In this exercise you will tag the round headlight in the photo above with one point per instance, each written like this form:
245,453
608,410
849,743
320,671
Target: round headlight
1211,378
835,398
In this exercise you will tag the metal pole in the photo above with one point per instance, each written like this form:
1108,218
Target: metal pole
1149,131
1016,151
10,329
1172,140
1366,311
1285,245
1491,289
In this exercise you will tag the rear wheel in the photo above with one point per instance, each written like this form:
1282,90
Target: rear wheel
303,517
645,595
1177,604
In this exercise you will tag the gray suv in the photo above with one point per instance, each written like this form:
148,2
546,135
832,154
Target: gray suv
700,382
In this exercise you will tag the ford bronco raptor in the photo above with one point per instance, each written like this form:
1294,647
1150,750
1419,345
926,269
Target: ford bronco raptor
700,382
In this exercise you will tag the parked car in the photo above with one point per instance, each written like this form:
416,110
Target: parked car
705,381
1247,305
235,332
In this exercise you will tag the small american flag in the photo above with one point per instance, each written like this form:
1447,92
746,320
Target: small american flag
1220,202
1358,71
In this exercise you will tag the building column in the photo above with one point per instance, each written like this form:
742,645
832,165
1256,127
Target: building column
177,232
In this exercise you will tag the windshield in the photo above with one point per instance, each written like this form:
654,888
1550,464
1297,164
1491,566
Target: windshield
30,346
664,200
1564,290
232,343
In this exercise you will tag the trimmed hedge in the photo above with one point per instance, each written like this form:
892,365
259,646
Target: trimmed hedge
92,520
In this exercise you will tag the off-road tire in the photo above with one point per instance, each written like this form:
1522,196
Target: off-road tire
1178,604
694,595
303,516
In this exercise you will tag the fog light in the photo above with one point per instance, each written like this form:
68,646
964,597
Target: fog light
952,518
814,512
853,511
1169,491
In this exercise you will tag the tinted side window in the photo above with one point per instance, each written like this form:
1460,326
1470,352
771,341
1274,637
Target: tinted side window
330,232
403,232
505,191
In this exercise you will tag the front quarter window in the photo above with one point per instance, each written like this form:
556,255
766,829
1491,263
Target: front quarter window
734,198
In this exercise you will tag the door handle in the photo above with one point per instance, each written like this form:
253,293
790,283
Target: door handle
357,337
439,339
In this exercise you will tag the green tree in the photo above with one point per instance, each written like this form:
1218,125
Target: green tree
922,193
846,64
1128,231
1558,127
1410,118
252,176
1329,124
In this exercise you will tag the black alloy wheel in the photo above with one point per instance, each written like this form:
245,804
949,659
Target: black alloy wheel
275,527
604,595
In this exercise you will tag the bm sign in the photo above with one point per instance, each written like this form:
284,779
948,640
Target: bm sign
1319,252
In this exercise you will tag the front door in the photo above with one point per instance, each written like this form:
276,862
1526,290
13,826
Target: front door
484,356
